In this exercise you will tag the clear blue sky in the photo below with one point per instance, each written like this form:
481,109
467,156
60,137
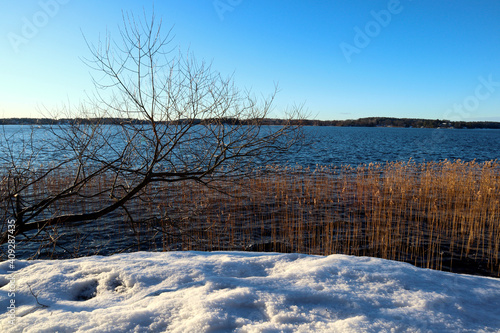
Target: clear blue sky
417,59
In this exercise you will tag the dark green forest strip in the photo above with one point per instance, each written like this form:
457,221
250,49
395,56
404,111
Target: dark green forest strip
362,122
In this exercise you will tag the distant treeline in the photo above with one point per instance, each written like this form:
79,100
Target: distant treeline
362,122
404,122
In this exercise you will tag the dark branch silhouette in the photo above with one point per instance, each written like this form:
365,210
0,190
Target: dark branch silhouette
169,124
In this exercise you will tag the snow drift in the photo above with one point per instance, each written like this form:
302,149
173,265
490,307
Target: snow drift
244,292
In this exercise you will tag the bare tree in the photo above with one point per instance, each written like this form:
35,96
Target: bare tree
156,117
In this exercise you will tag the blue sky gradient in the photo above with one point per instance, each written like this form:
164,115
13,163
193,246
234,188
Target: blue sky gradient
414,59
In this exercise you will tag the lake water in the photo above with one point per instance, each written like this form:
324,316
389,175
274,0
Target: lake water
356,145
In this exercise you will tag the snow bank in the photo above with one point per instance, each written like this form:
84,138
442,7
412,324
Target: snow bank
244,292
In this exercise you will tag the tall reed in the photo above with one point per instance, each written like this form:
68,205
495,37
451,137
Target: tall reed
440,215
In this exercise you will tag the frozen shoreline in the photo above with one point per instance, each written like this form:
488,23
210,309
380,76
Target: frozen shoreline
246,292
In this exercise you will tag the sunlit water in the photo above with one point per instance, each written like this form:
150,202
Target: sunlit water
337,146
357,145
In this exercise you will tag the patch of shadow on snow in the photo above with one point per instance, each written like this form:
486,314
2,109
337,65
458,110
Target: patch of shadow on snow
169,290
4,281
93,285
86,291
116,284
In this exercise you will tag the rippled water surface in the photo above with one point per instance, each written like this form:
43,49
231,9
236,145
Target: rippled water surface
356,145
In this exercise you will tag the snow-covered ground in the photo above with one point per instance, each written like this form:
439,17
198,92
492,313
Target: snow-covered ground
244,292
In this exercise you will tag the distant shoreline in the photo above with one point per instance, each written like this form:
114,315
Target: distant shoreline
362,122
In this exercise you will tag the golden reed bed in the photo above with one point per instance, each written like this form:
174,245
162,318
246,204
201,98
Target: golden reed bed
439,215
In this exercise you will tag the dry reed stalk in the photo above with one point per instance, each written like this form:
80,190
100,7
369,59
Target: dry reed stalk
439,215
